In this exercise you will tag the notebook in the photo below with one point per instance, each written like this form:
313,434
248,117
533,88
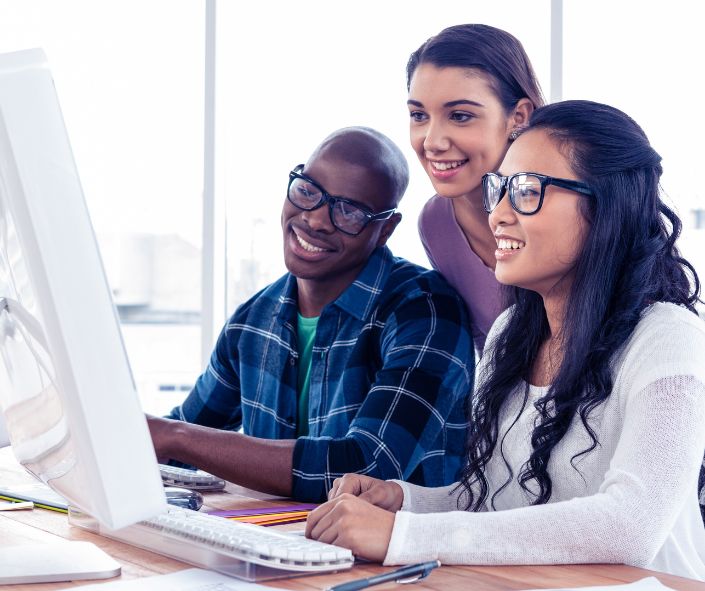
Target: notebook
37,492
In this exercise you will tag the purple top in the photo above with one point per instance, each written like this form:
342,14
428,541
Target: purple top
451,255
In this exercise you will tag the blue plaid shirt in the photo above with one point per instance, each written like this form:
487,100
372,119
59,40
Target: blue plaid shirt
391,368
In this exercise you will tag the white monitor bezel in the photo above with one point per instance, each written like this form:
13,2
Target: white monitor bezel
41,188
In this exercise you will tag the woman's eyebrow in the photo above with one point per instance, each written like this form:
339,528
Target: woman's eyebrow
449,104
463,102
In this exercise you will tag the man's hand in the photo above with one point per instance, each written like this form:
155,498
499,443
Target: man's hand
260,464
386,495
350,522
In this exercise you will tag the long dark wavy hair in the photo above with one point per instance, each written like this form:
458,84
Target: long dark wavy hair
628,261
493,51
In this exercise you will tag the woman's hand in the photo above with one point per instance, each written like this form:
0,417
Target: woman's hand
353,523
386,495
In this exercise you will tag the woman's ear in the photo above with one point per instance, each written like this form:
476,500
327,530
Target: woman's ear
521,113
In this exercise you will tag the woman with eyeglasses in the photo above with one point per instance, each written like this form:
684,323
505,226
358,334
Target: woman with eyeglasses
586,427
471,89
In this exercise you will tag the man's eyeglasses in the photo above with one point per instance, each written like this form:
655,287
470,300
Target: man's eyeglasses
346,215
526,190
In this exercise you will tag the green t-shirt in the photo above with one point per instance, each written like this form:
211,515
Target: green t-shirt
306,334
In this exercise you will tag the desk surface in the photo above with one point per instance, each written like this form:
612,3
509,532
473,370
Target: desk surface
38,525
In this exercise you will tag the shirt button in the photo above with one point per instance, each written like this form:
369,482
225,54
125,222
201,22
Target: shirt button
292,360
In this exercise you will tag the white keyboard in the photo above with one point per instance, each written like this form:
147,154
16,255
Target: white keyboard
193,479
227,546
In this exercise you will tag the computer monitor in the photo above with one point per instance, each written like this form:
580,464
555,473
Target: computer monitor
4,437
66,390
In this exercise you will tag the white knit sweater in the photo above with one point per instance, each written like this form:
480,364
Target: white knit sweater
634,499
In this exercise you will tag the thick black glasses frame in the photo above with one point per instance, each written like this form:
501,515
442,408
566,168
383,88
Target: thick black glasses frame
331,200
571,185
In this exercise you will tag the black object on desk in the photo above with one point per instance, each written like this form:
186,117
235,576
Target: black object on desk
407,574
183,497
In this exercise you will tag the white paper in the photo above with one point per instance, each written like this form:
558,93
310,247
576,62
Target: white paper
193,579
647,584
15,506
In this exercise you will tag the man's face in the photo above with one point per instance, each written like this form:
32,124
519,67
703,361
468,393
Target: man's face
314,249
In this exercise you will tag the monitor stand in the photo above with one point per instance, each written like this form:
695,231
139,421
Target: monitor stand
55,562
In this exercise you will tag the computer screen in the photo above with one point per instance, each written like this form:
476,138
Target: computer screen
4,437
66,390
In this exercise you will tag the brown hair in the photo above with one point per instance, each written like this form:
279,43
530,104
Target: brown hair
488,49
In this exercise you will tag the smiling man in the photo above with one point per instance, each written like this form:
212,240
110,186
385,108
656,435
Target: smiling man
354,361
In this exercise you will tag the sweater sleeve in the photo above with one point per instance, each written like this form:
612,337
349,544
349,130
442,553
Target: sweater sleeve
651,476
424,499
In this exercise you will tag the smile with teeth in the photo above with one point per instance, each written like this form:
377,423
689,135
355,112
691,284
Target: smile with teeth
306,246
447,165
504,244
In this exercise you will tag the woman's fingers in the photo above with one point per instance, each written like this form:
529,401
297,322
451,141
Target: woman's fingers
352,484
318,520
387,495
350,522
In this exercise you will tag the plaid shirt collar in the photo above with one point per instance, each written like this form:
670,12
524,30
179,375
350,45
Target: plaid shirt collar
358,300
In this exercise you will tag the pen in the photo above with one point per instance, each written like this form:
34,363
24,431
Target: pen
407,574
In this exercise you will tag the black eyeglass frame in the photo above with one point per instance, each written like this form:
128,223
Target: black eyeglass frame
331,200
571,185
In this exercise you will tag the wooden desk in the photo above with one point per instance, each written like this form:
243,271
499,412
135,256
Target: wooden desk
39,525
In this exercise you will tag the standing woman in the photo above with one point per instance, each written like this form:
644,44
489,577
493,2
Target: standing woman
471,90
586,430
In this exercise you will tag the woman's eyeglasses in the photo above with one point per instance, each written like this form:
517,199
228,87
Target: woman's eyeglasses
526,190
346,215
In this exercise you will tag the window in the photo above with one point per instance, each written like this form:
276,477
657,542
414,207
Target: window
130,77
130,80
643,58
699,219
291,73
